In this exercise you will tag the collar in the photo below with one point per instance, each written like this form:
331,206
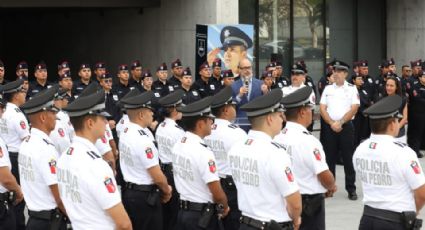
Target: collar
293,125
85,142
168,120
137,126
381,137
37,132
259,135
195,137
219,121
11,105
343,86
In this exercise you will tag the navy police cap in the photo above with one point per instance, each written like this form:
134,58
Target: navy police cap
231,36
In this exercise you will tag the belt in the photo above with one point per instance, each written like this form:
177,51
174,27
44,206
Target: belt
228,182
192,206
141,187
306,196
44,215
4,196
13,154
167,167
382,214
261,224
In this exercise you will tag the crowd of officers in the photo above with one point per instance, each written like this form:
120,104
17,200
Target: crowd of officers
128,152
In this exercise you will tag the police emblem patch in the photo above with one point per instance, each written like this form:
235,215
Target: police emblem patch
249,141
214,126
122,121
289,175
415,167
211,165
23,125
183,140
317,155
285,130
372,145
61,132
108,134
52,165
125,130
103,139
149,153
70,150
109,184
163,124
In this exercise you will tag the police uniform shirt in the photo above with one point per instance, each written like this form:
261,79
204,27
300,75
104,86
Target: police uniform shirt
290,89
137,155
149,133
4,161
389,171
66,123
87,186
263,176
194,167
307,156
206,89
111,100
167,134
223,136
190,96
175,82
60,137
417,98
162,88
102,144
35,87
78,87
14,127
280,83
120,89
37,170
121,124
339,99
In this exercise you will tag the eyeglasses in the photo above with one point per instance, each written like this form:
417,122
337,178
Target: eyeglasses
245,67
107,80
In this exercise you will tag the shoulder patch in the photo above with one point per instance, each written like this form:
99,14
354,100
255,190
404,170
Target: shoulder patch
307,133
92,154
177,126
233,126
349,84
141,132
18,110
401,144
279,146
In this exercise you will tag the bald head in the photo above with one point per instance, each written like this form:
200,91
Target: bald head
245,68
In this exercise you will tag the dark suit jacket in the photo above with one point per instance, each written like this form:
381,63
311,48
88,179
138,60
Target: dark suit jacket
255,92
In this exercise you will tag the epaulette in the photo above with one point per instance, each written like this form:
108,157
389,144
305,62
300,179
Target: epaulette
401,144
177,126
279,146
47,142
141,132
18,110
233,126
349,84
307,132
92,154
206,146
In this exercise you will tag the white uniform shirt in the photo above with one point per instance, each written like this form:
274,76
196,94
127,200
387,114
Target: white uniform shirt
223,136
307,156
263,176
87,186
194,167
339,99
37,170
167,134
389,172
60,136
4,161
290,89
66,123
14,127
102,144
122,124
137,155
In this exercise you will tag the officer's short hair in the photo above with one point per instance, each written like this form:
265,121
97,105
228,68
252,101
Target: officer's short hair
292,113
189,123
78,122
379,126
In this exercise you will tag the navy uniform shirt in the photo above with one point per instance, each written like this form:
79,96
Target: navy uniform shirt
162,88
281,82
379,87
175,82
35,88
120,89
369,86
309,82
190,96
323,82
111,100
79,87
206,89
417,98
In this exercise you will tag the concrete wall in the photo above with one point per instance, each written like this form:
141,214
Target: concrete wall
405,30
115,36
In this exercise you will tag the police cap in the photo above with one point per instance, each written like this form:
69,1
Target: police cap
266,74
122,67
42,101
298,69
100,65
224,97
89,105
84,66
231,36
298,98
265,104
135,64
22,65
40,66
187,72
363,63
132,93
339,65
61,94
105,76
63,65
216,63
228,73
201,108
176,63
162,67
173,99
204,65
147,73
416,63
13,87
143,100
66,74
385,108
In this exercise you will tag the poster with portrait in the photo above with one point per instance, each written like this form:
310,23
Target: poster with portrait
229,43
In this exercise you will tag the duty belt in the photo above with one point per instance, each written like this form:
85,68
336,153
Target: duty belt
192,206
44,215
382,214
13,154
167,167
141,187
228,182
262,224
4,196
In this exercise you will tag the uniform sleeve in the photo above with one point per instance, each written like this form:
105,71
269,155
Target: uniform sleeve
4,160
323,98
108,133
411,168
20,124
46,164
315,157
60,139
355,99
280,172
147,153
103,186
102,145
207,167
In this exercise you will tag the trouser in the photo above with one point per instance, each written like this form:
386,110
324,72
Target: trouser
231,222
171,208
45,220
340,142
143,215
19,208
248,223
415,131
7,215
380,219
316,220
361,129
191,215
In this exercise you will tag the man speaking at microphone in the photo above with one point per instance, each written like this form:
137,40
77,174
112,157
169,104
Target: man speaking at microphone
246,89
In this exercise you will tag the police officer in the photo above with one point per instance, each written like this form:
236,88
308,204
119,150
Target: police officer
338,106
205,85
86,182
85,79
15,129
111,99
392,177
307,157
65,83
308,80
177,71
99,69
276,205
167,134
63,67
195,172
327,79
368,84
122,87
216,71
40,83
416,109
22,73
223,135
360,122
279,80
2,72
37,165
190,94
162,85
145,184
62,135
228,78
124,119
136,74
10,191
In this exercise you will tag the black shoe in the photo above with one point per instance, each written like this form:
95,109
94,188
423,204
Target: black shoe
420,155
352,196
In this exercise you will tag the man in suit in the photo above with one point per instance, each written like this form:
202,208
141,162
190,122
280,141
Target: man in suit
245,89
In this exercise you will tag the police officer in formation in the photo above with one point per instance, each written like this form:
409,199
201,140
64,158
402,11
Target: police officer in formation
177,70
261,168
190,93
391,175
